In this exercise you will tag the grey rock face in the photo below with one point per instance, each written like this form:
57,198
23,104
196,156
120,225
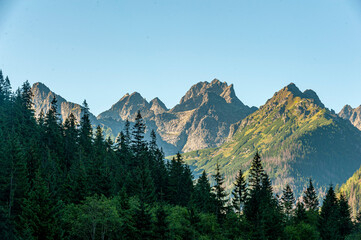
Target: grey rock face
42,97
352,114
202,119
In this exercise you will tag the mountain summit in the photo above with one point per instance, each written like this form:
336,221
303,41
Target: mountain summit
127,107
352,114
43,96
296,136
202,119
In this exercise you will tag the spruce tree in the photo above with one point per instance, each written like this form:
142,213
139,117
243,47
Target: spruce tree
271,215
300,213
86,131
239,192
5,89
70,142
310,197
288,201
203,197
328,220
98,178
138,134
219,195
261,209
344,217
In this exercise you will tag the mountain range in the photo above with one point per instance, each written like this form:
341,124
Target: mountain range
297,136
202,119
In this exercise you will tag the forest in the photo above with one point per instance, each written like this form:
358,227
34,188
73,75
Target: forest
65,181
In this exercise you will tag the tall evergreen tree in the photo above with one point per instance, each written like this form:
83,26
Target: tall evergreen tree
310,197
328,225
98,178
344,217
288,201
180,182
300,212
203,197
219,195
86,131
261,208
239,192
158,168
70,142
138,134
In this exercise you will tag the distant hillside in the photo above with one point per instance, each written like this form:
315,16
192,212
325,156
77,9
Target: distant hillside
297,138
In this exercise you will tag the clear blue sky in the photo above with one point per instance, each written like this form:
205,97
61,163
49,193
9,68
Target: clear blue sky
100,50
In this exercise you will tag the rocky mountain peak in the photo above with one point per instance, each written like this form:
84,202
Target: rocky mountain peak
208,93
291,91
346,112
352,114
157,106
43,96
127,107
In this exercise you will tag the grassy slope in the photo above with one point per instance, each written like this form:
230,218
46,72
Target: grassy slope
296,138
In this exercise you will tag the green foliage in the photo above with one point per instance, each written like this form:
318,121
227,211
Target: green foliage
301,231
58,181
95,218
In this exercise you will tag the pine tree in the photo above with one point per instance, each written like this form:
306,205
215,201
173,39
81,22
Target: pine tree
344,217
138,134
261,209
328,223
288,201
5,89
310,198
219,195
203,197
158,168
144,185
70,141
300,212
271,215
239,192
98,179
86,131
180,182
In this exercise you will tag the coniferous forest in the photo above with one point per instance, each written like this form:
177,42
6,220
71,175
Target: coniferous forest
65,181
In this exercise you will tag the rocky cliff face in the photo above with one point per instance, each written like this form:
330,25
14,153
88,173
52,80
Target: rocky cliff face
352,114
202,118
42,97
